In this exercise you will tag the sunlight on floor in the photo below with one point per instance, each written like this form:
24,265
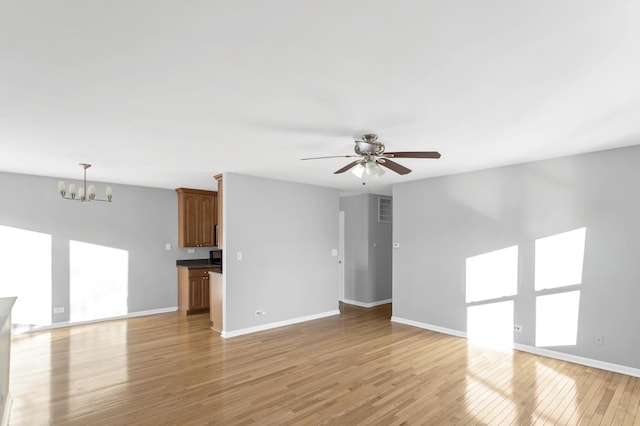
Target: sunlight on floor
547,408
35,389
103,380
500,389
490,384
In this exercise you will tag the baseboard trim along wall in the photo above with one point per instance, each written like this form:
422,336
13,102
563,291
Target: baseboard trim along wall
615,368
130,315
366,305
249,330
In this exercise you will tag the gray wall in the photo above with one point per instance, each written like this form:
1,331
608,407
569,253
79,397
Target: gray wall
367,268
285,232
440,222
140,220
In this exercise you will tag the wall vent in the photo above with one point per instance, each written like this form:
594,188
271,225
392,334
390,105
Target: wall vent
385,210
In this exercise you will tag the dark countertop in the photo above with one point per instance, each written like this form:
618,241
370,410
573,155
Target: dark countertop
196,264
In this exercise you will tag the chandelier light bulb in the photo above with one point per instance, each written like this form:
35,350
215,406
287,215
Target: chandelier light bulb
91,192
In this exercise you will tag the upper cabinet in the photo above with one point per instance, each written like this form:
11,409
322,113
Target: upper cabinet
219,210
196,217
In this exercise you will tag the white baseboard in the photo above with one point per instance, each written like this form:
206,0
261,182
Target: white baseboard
6,410
129,315
430,327
366,305
616,368
240,332
602,365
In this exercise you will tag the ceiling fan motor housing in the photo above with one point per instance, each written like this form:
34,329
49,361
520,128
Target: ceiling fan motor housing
369,147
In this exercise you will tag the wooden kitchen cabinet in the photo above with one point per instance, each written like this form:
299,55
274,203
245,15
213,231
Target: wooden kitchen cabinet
193,290
196,217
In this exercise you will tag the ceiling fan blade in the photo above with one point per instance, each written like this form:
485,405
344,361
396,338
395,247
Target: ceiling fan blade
347,167
331,156
412,154
398,168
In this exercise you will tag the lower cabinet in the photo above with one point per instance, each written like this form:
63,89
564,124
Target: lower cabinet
193,290
198,294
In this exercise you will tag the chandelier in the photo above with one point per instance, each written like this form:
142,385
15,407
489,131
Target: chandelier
84,194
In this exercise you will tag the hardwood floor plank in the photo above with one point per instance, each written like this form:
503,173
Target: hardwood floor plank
355,368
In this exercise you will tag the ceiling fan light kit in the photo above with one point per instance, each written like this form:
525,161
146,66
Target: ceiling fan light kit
374,169
358,170
374,158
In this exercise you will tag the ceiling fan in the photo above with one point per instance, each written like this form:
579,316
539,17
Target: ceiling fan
372,156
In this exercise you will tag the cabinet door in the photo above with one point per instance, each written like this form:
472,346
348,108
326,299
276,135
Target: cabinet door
199,293
206,220
190,229
195,293
196,217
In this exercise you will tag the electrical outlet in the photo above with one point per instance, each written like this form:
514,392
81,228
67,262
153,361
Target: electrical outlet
517,328
58,310
191,251
599,340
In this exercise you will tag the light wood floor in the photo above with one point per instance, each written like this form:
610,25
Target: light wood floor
356,368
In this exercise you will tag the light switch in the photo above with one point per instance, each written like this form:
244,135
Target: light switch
396,245
239,255
167,246
334,252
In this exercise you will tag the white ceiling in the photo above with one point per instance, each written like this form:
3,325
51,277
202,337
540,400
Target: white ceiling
167,93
